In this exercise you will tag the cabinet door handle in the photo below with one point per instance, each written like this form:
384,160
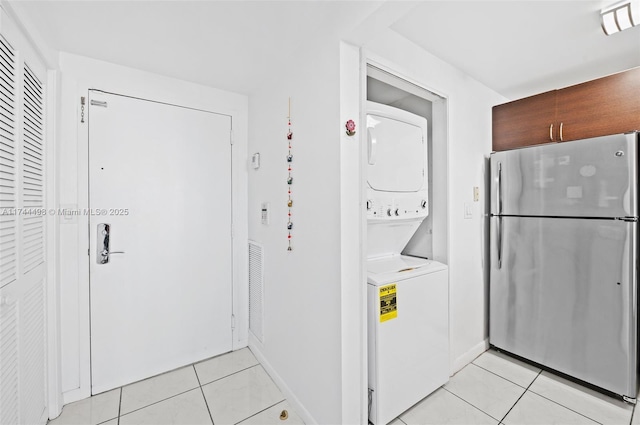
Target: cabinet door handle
551,132
561,124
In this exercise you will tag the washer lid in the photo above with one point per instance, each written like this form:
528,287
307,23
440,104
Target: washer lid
396,154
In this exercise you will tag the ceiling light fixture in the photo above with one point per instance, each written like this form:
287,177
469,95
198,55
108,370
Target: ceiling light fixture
620,16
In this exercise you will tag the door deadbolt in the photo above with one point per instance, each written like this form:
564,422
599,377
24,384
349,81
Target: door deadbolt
102,250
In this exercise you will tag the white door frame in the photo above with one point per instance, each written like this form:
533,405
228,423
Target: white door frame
240,307
218,334
54,388
369,58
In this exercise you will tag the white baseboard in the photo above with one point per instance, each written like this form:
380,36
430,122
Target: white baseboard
254,346
75,395
469,356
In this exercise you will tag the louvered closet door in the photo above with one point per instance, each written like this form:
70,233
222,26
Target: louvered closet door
22,241
160,177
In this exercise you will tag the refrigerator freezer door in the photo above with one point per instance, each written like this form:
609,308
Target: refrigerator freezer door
564,296
585,178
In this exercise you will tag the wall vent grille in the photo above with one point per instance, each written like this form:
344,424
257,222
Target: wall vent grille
256,290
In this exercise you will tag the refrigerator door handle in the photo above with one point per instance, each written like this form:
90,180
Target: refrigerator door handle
499,238
499,243
499,191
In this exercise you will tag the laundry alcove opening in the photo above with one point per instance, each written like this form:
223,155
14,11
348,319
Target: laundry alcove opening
407,272
430,240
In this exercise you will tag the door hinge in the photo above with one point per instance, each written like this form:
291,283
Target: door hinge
89,251
233,321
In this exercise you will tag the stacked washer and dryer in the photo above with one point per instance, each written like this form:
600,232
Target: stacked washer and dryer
408,332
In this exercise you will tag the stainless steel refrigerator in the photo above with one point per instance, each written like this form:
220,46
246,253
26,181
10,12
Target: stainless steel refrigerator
564,258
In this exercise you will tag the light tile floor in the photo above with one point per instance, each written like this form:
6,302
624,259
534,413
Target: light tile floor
229,389
498,389
235,389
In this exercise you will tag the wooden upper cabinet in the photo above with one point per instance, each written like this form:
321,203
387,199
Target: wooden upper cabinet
600,107
524,122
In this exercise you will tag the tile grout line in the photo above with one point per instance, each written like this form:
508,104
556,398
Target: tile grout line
120,404
183,392
528,389
231,374
633,413
521,395
499,376
568,408
203,396
506,379
470,404
257,413
159,401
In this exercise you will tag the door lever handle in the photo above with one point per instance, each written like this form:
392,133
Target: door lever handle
106,253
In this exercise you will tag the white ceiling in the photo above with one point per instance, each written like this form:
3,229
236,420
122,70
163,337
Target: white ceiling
517,48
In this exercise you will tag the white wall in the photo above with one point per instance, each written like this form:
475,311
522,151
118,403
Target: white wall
469,144
305,318
78,75
302,299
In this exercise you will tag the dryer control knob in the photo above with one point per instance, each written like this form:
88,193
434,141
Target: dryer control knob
423,204
389,212
397,212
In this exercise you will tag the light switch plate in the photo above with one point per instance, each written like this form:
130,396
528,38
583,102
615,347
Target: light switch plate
468,210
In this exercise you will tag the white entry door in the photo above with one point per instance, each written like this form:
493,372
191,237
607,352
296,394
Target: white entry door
160,237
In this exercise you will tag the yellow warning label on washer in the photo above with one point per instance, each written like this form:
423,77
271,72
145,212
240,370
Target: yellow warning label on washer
388,303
